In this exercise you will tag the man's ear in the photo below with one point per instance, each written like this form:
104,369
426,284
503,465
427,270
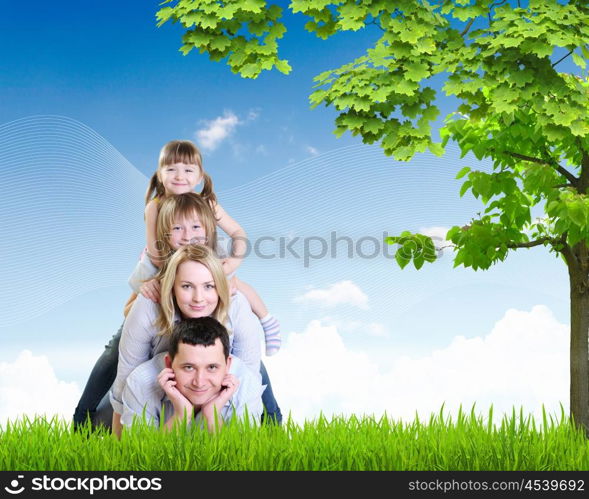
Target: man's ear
229,361
168,361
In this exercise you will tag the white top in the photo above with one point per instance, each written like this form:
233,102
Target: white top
140,341
144,395
143,271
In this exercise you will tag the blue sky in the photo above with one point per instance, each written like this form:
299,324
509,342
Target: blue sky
88,95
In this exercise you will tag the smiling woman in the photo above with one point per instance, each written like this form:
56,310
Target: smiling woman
194,289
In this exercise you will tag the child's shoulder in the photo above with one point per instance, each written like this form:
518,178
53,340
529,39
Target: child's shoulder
152,207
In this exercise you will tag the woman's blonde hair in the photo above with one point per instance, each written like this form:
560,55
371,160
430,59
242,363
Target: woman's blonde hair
180,151
191,253
184,206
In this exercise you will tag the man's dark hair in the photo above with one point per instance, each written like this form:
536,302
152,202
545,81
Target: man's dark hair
200,331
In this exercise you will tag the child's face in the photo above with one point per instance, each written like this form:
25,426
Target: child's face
179,178
187,230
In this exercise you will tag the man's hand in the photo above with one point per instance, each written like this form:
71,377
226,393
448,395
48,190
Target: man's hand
151,290
229,386
167,380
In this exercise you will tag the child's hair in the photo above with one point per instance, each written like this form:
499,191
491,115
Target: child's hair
193,253
184,206
180,151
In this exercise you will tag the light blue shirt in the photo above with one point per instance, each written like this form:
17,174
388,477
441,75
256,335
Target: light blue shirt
143,395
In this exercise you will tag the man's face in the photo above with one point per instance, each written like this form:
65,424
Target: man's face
199,371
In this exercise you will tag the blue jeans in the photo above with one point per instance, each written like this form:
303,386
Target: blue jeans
272,412
95,404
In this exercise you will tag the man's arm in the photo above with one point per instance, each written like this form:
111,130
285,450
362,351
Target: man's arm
183,408
211,411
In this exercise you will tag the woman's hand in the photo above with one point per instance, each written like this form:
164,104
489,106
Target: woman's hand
151,290
167,380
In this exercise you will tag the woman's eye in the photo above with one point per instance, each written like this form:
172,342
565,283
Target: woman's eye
185,286
189,171
209,286
196,227
175,228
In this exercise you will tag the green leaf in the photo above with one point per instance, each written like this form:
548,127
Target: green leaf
437,149
416,71
467,185
284,67
577,213
463,172
401,260
579,61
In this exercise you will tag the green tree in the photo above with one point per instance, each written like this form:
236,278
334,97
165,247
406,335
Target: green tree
502,62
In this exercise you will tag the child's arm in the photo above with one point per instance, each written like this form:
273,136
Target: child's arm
151,211
258,306
270,324
238,239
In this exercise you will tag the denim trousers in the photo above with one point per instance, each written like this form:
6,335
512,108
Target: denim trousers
95,404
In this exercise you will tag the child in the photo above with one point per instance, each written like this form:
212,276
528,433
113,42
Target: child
180,171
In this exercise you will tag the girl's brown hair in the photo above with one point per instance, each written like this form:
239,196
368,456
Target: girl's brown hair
180,151
184,206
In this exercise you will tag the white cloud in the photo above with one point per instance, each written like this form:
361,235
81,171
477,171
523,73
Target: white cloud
358,328
29,386
523,361
311,150
222,127
262,149
253,115
217,130
340,293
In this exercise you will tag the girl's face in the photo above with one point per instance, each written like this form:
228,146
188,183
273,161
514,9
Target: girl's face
179,178
187,230
195,291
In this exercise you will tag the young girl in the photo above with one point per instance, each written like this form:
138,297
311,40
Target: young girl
180,171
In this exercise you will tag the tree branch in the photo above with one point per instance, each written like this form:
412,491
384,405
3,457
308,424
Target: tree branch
467,28
377,25
562,58
531,244
568,175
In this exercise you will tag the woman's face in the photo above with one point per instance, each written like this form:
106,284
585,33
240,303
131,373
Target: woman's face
195,290
187,230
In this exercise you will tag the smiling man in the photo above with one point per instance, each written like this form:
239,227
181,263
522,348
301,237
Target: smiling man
196,380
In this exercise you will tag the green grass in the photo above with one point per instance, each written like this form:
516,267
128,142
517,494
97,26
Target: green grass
467,442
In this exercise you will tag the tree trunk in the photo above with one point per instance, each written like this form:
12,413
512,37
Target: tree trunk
578,264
